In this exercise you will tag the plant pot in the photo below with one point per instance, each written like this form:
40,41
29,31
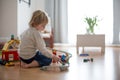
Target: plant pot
90,31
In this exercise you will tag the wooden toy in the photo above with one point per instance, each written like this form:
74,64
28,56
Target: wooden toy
10,51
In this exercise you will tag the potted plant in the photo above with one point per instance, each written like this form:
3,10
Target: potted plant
91,22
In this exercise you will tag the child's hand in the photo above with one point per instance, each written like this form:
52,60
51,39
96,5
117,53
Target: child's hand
55,58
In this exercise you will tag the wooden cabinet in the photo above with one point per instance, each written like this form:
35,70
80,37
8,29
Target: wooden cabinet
91,41
49,41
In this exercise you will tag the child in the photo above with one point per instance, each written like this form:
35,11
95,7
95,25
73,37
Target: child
33,52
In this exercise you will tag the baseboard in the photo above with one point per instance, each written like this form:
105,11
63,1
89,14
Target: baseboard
64,45
73,45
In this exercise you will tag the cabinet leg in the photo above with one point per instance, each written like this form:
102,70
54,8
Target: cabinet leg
77,50
82,49
103,50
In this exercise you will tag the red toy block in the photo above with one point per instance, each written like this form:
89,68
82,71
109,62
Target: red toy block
10,55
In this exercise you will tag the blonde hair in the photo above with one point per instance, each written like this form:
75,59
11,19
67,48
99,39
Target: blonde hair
38,17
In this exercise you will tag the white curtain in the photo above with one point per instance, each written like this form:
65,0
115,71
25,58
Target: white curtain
57,10
116,28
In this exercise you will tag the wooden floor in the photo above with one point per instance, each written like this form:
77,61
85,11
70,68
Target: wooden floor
103,67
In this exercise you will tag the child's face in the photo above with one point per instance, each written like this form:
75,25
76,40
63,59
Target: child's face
41,27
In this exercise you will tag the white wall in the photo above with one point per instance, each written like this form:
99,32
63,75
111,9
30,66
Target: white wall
25,11
15,15
37,4
23,16
8,15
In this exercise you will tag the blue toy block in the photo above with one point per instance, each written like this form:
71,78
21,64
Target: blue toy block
84,54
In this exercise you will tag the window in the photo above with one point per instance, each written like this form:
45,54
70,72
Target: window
79,9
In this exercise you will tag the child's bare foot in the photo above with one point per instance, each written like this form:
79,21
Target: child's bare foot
32,64
17,64
24,65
